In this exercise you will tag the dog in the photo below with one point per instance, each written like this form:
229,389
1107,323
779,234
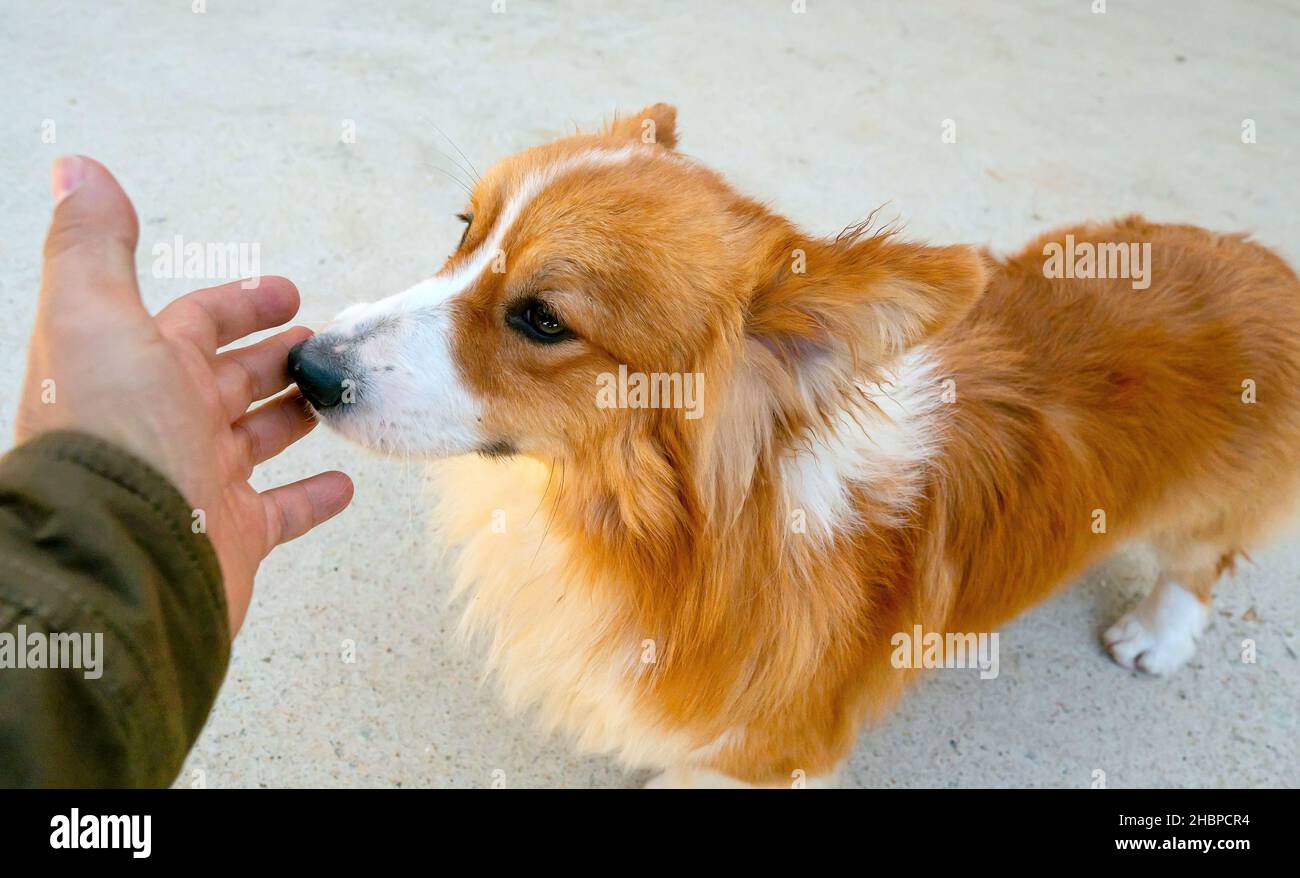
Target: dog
887,437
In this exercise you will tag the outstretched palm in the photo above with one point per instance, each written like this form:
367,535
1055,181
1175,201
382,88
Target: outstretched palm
160,388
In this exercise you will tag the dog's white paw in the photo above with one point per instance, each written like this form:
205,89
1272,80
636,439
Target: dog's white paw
684,778
1137,647
1158,636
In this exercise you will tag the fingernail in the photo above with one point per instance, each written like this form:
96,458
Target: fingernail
67,174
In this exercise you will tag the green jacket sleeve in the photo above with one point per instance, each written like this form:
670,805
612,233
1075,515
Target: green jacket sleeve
100,568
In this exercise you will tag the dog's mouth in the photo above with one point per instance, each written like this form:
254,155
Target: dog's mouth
498,449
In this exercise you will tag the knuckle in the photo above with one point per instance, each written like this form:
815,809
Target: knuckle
247,444
245,382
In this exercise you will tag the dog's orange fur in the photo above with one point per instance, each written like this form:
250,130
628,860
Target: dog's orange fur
772,646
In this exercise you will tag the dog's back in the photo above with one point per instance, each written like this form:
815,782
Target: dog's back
1163,404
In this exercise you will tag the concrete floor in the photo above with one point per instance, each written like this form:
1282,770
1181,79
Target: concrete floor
225,126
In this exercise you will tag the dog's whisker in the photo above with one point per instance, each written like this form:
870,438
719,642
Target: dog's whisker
469,171
459,182
473,170
555,506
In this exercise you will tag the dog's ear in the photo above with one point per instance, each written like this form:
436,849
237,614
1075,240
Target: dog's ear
863,297
654,124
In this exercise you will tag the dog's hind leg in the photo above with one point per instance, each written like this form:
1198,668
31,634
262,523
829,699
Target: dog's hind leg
1159,635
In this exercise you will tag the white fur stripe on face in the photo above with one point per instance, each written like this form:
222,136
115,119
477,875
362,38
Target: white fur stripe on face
438,289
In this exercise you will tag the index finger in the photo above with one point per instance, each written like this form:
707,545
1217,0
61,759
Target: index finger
216,316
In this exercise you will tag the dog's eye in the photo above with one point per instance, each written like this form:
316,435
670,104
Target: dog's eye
468,220
535,319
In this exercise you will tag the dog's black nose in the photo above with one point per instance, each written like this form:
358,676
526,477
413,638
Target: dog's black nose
319,372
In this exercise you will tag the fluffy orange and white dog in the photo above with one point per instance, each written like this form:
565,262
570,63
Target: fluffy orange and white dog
880,435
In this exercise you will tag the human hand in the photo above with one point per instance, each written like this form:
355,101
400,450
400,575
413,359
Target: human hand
158,388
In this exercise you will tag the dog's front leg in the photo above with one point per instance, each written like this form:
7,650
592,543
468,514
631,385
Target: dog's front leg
686,777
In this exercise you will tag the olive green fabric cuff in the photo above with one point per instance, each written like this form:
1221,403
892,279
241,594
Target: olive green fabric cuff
96,544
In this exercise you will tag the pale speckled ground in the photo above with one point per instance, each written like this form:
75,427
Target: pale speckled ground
226,127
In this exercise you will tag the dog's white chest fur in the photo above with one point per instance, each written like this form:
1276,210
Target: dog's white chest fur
553,642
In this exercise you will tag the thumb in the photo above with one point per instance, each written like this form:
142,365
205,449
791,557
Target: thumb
90,247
